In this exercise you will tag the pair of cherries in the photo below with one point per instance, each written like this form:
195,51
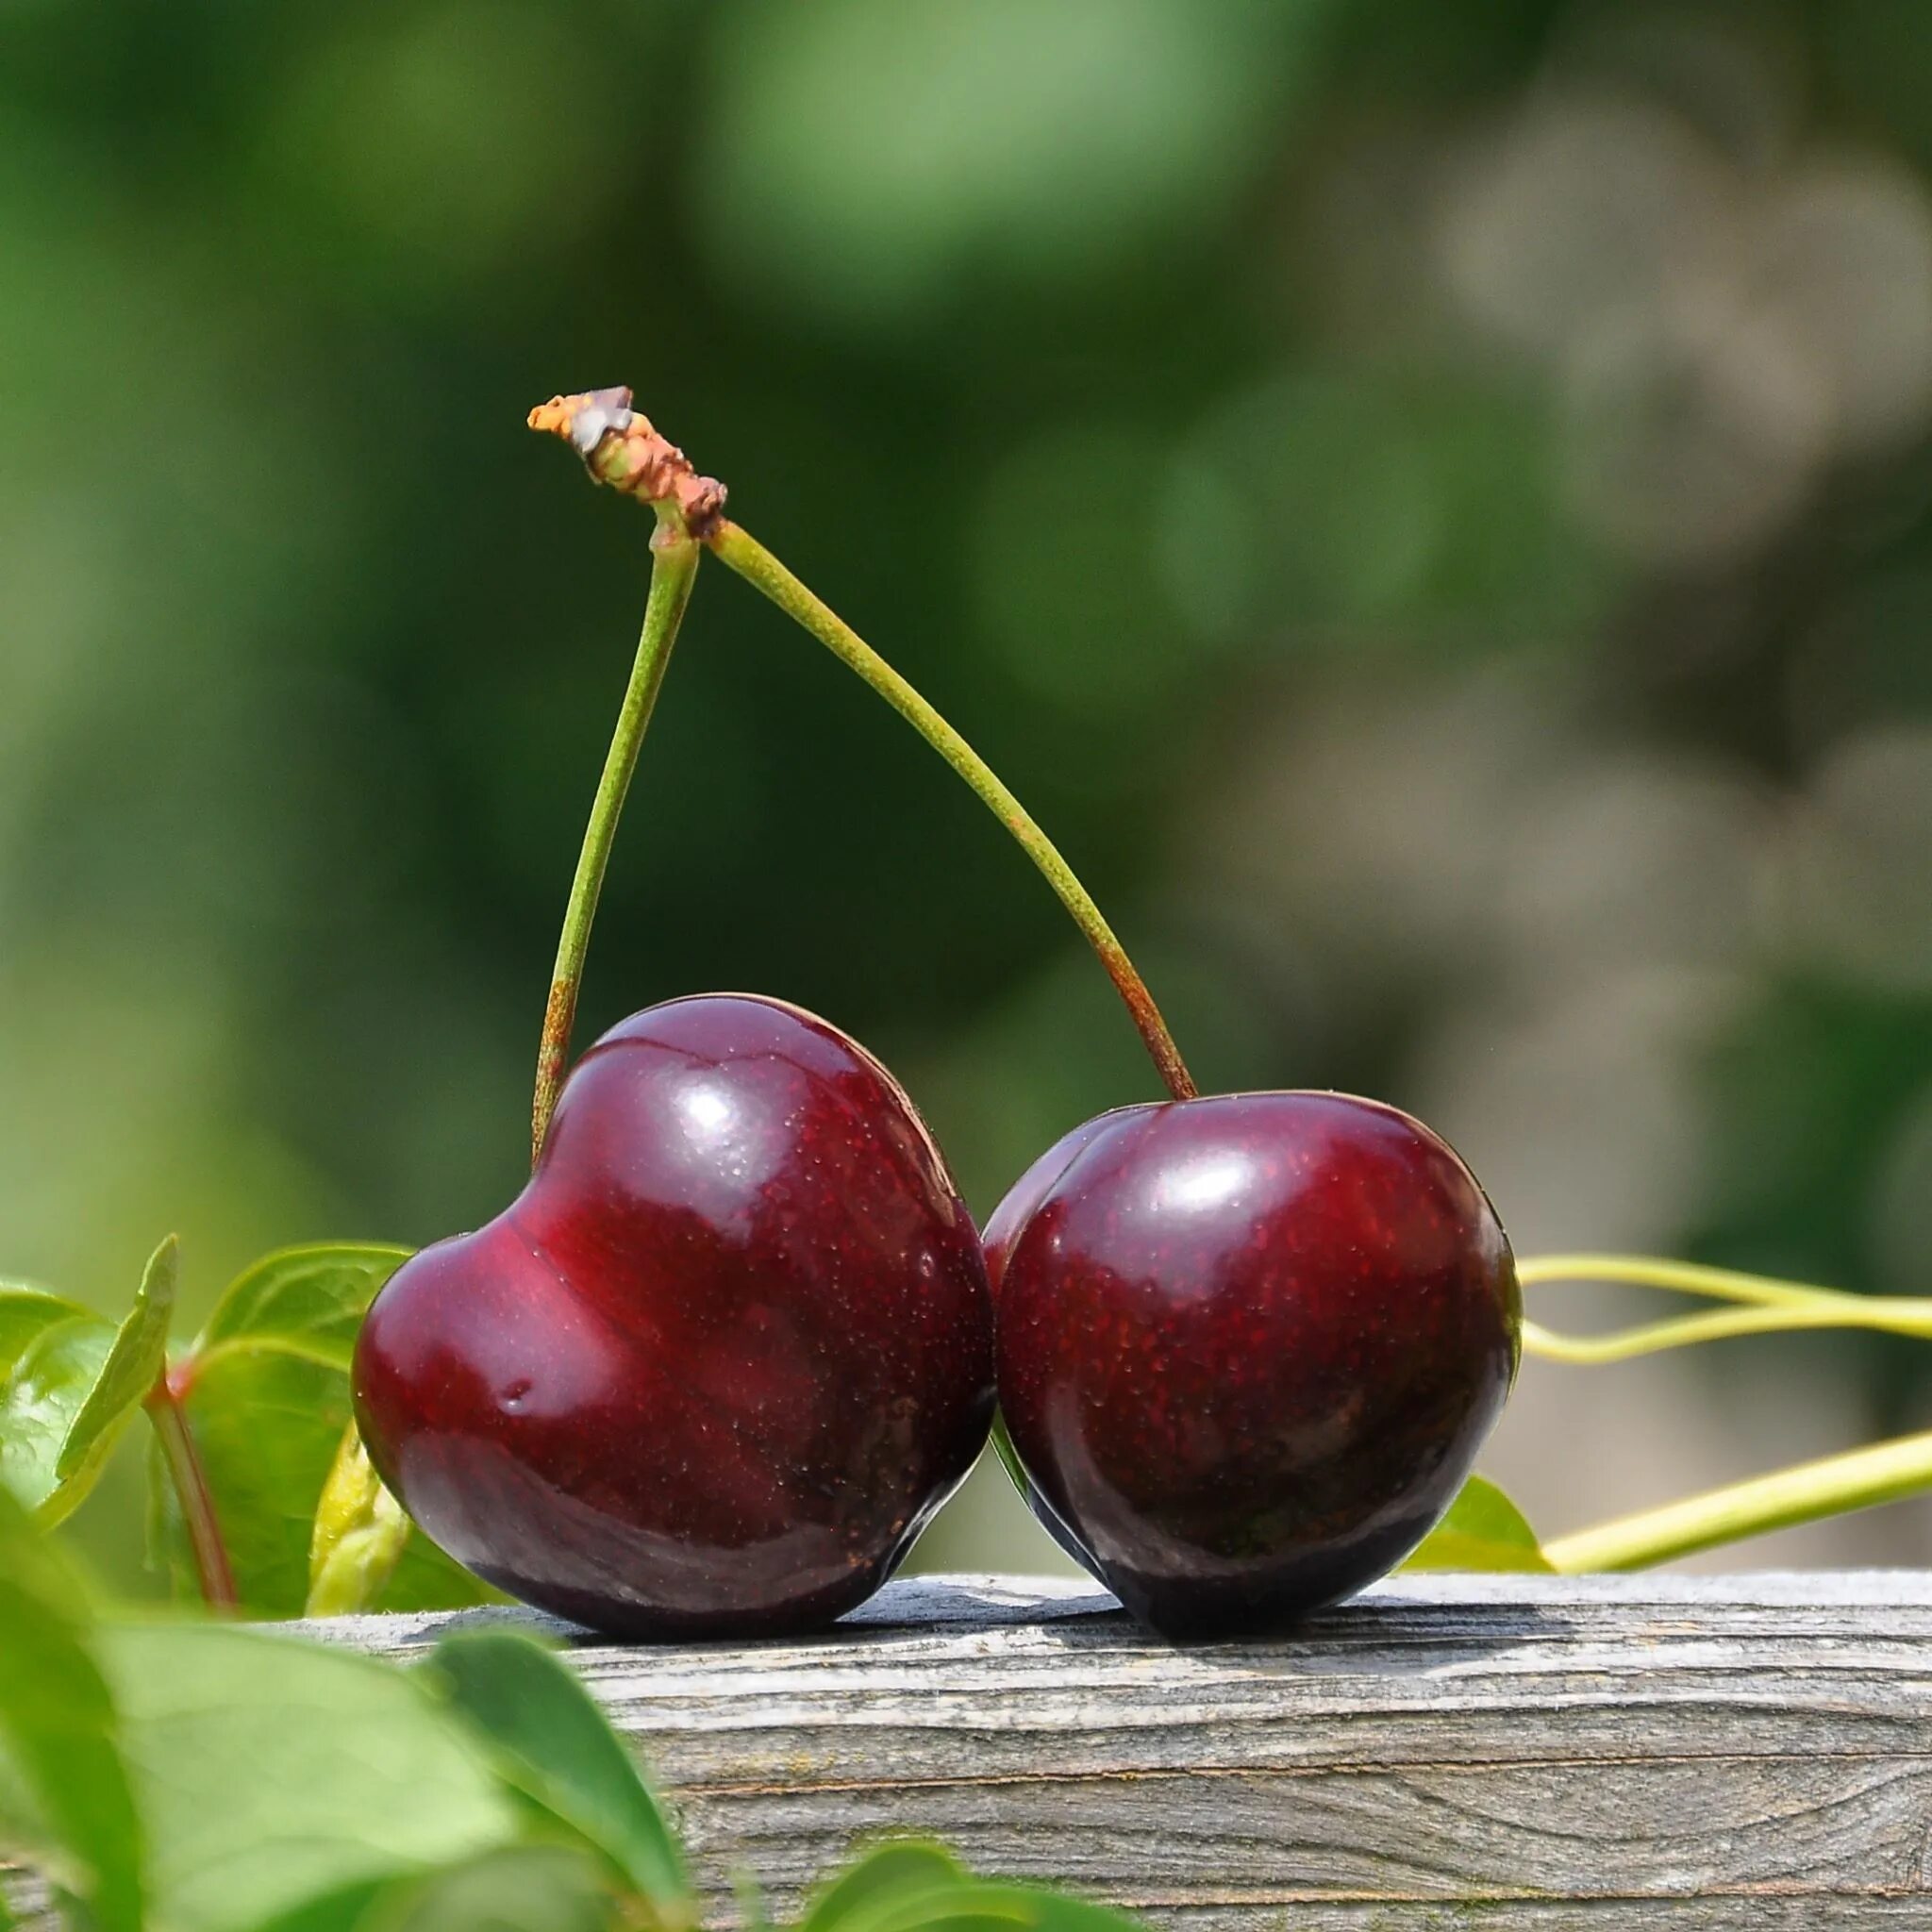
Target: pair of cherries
738,1340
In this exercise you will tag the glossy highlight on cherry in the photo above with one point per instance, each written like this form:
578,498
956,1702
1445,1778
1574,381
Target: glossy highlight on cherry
719,1361
1249,1347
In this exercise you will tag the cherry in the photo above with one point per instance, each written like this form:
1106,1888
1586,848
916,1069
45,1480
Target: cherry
716,1366
1248,1348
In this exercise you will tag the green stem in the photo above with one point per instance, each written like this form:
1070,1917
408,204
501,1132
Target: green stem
673,569
1886,1472
190,1479
1679,1277
1768,1307
1886,1314
759,567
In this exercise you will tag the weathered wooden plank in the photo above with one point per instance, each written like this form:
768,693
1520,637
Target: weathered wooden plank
1515,1755
1487,1754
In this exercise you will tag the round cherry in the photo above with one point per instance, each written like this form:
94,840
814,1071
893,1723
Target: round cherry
714,1368
1248,1348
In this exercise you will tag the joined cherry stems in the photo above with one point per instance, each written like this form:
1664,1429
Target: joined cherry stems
621,449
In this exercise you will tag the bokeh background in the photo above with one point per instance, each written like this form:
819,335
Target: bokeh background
1430,503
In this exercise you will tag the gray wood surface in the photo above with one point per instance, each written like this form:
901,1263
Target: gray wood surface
1509,1754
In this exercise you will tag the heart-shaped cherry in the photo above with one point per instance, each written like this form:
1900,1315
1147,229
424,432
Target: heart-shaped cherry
719,1362
1248,1348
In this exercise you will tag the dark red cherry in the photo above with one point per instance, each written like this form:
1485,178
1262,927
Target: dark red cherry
719,1362
1002,1229
1248,1348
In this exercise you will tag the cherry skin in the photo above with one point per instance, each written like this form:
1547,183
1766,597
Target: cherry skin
1248,1348
716,1366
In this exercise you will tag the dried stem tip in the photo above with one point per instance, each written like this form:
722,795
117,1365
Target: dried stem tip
621,449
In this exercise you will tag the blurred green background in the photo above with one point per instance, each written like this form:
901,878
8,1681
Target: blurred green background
1431,504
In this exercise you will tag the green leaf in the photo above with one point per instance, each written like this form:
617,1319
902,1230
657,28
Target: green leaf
341,1911
1483,1530
39,1403
891,1872
65,1801
309,1300
1008,1456
269,1772
910,1899
521,1889
359,1536
74,1387
267,1397
267,1426
987,1907
134,1364
25,1314
553,1744
527,1888
750,1901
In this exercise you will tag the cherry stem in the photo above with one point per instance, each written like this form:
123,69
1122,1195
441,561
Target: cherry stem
621,448
172,1430
759,567
1884,1472
674,569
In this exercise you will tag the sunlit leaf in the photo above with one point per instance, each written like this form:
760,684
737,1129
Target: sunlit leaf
65,1801
522,1888
553,1744
269,1772
47,1390
518,1889
1483,1530
266,1396
25,1314
978,1906
74,1385
894,1871
359,1536
267,1425
308,1301
134,1364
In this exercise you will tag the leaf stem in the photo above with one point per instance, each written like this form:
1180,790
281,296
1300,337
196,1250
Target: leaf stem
1888,1314
1764,1306
190,1479
1884,1472
1679,1277
744,554
673,569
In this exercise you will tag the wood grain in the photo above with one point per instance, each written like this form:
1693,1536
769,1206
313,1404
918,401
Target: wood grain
1510,1754
1746,1753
